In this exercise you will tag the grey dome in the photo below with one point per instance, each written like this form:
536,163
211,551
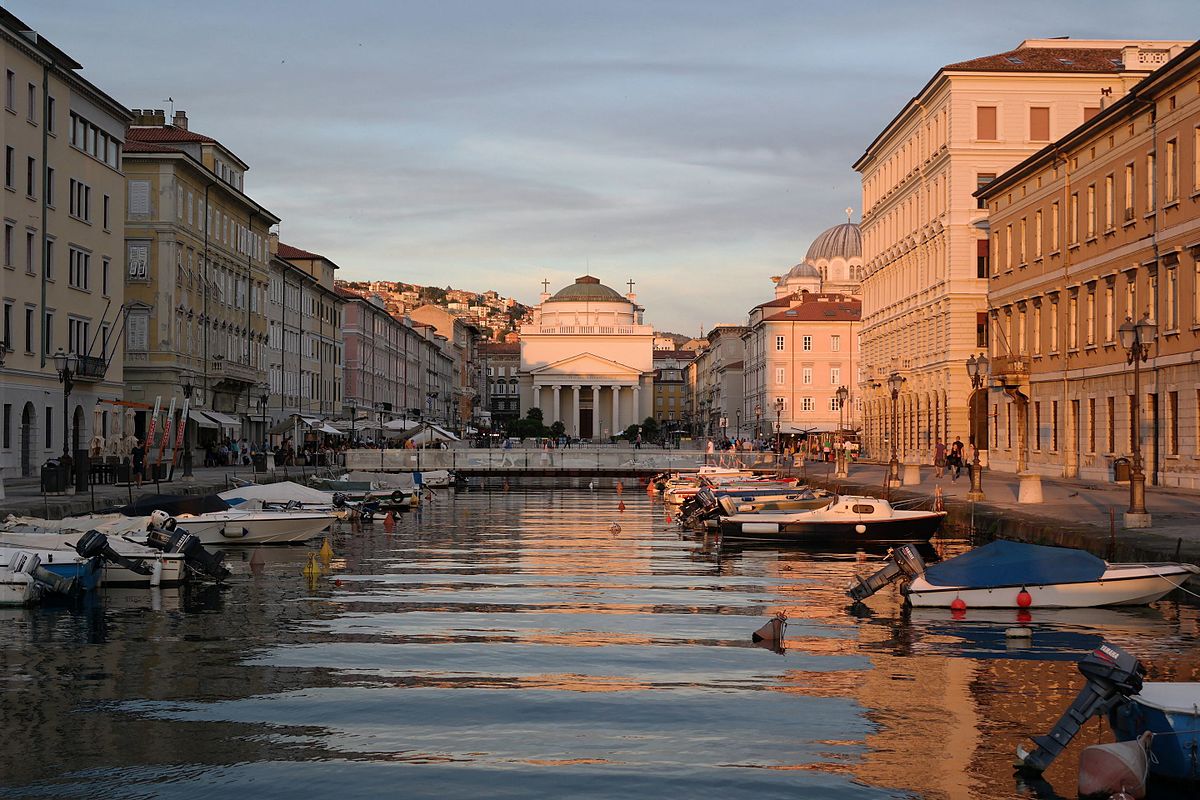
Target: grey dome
803,270
840,241
587,289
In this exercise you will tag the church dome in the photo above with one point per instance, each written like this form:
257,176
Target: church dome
840,241
803,270
587,290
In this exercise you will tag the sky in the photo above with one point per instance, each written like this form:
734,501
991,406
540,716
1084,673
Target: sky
696,147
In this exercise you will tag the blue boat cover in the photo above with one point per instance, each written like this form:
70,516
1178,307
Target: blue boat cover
1005,563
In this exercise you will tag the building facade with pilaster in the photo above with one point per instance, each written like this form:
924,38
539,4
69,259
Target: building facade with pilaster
925,234
63,207
1100,227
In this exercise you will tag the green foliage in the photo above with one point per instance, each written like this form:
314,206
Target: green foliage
558,429
535,413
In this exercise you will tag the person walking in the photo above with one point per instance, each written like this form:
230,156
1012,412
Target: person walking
137,457
939,458
956,457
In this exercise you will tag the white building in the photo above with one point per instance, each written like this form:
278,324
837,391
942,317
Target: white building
587,360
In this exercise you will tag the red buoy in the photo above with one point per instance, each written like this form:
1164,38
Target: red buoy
958,604
1024,599
668,519
621,506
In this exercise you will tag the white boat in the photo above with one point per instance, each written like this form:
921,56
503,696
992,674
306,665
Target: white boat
18,587
1004,574
255,527
847,520
167,569
112,525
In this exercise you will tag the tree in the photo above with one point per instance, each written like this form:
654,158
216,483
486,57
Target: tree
535,413
558,429
650,431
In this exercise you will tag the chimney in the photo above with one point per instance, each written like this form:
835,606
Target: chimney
180,120
273,245
159,117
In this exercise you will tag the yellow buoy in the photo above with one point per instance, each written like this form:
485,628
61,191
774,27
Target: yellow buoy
312,569
326,552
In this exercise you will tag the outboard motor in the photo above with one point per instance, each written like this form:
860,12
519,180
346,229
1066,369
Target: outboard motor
30,564
1112,676
197,558
903,561
94,544
339,499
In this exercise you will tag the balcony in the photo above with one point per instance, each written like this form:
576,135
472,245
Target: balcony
90,368
223,369
1011,370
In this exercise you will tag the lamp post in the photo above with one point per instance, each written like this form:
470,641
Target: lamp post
65,364
186,382
843,468
757,423
264,397
979,370
724,427
737,433
1136,338
778,427
894,382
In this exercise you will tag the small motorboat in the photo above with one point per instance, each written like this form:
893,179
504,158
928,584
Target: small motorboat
213,521
1005,574
1171,712
162,569
847,520
24,581
710,502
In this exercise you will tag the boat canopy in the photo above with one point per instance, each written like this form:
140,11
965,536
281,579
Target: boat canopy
173,505
281,492
1005,563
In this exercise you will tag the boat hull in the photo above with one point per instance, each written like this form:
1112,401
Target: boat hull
1117,587
906,529
1176,745
16,590
255,527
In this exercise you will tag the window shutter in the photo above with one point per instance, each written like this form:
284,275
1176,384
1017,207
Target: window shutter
985,123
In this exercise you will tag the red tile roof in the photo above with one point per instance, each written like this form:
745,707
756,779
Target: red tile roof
1045,59
165,133
135,146
819,312
287,251
501,348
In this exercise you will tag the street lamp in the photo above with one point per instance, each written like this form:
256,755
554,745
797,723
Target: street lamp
979,370
843,469
186,383
778,427
894,382
737,434
757,423
1136,339
264,397
65,364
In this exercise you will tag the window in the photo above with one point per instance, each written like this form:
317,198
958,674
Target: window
49,427
50,115
1039,124
1089,321
835,343
1108,313
1054,426
48,331
9,167
806,404
77,336
780,375
31,177
1054,326
1073,322
30,252
1037,426
1073,220
778,342
9,232
1172,298
807,343
32,91
1151,179
1128,193
985,123
1021,239
1172,172
28,330
49,270
806,375
1037,234
1091,211
104,266
1008,247
79,268
7,340
7,425
1036,335
1109,185
981,329
1091,440
1173,422
981,180
835,376
1021,330
834,405
105,210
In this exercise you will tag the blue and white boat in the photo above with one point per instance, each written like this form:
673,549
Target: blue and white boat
1171,711
87,573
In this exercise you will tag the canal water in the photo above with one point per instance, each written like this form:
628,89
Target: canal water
543,643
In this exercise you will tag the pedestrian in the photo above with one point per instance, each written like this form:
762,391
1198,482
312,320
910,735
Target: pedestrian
939,458
956,457
138,457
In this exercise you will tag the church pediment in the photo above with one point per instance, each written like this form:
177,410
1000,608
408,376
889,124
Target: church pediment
587,365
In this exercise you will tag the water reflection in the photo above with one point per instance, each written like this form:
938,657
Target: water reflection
516,642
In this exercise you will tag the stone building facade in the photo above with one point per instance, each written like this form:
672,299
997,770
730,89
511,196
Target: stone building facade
1099,227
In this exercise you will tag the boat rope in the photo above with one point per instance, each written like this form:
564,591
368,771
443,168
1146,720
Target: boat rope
1178,586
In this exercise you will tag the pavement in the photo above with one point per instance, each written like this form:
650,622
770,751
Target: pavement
1074,513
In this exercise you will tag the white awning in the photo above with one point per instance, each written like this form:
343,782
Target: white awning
201,419
312,422
325,427
223,420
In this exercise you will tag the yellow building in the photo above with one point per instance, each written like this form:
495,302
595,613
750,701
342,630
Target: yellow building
925,237
63,205
197,256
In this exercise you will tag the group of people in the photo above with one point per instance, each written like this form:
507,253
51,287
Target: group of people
953,457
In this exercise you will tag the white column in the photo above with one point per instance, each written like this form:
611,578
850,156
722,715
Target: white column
595,412
537,397
554,414
616,417
637,408
575,414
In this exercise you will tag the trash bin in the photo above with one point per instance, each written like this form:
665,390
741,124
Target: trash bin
54,477
83,470
1121,470
260,462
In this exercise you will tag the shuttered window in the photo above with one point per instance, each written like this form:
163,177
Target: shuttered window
985,123
1039,124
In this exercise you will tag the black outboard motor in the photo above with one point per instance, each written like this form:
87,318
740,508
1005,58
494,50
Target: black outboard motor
1112,676
339,499
173,540
903,561
94,544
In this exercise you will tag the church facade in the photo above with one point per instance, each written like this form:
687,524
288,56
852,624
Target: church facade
587,360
